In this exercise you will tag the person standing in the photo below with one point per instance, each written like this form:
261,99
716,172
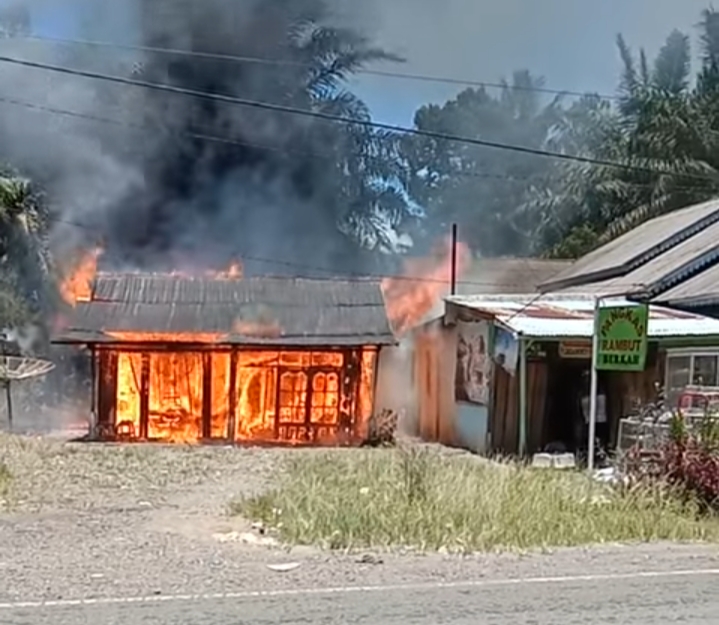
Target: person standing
602,428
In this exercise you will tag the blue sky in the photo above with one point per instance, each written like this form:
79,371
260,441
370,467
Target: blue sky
570,42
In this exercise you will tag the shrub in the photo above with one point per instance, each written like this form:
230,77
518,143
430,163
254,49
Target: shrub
688,461
5,479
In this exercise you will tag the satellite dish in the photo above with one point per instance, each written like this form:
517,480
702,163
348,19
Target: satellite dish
14,368
22,367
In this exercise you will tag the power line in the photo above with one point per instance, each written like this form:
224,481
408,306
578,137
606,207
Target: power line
224,140
282,62
280,108
349,276
253,144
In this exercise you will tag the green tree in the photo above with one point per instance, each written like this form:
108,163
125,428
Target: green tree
664,135
481,189
24,256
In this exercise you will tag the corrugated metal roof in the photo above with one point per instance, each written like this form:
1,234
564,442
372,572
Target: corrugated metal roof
637,247
275,311
557,316
493,276
496,276
661,271
700,290
170,289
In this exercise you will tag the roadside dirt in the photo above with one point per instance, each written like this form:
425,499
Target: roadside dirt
85,521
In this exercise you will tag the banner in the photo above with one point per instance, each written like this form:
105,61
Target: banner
506,350
575,350
622,338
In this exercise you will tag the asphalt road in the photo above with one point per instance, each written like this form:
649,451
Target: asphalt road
645,598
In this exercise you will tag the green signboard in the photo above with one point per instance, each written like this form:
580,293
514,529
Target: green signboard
622,338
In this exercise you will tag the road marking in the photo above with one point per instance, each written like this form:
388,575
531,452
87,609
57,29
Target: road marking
345,590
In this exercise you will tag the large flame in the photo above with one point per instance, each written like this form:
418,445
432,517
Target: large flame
411,296
77,284
288,397
233,272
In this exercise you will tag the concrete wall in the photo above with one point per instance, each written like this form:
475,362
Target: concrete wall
472,426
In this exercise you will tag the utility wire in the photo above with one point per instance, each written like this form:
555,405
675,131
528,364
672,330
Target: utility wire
263,260
253,144
280,108
282,62
225,140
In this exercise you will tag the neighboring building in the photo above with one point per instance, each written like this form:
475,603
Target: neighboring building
265,360
538,354
648,261
671,262
463,420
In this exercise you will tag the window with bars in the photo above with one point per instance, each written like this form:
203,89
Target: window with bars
690,369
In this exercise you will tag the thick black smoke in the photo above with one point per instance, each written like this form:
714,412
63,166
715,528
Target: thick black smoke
271,187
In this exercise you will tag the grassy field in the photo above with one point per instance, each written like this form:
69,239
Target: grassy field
425,500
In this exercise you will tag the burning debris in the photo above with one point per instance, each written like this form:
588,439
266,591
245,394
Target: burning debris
382,430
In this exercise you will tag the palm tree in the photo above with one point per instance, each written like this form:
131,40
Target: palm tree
24,257
298,188
478,188
663,134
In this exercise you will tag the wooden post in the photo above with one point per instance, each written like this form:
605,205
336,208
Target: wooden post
8,390
8,401
453,273
232,398
206,396
107,393
93,393
145,397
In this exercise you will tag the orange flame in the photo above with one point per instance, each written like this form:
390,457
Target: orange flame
287,397
410,297
233,272
77,285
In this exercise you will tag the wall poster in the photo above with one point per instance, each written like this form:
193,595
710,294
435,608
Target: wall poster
474,362
506,350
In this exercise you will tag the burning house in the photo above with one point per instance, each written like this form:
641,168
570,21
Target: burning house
202,359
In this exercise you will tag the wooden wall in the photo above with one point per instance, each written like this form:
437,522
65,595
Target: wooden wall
435,355
504,417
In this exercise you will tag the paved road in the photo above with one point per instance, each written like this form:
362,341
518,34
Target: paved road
689,598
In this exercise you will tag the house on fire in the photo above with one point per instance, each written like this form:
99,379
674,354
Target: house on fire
198,359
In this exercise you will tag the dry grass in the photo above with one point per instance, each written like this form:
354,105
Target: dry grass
49,473
423,500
